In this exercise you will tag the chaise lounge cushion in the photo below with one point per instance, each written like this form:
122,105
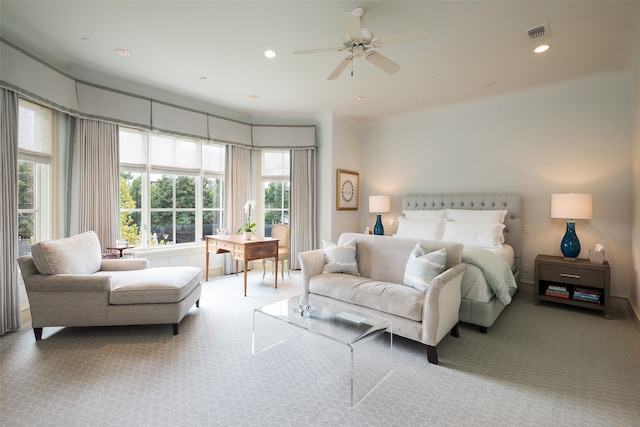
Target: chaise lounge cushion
152,286
79,254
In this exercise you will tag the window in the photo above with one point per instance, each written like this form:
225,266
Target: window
171,189
35,134
275,188
212,188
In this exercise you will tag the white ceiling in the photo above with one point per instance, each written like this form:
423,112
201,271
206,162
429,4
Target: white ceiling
174,43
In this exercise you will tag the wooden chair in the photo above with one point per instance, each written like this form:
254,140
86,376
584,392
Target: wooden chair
280,232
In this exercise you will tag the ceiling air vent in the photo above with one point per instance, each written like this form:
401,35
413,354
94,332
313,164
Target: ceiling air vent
539,33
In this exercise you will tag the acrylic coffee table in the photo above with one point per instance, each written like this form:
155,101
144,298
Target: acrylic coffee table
367,338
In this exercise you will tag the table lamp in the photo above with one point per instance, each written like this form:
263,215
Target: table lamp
379,205
570,207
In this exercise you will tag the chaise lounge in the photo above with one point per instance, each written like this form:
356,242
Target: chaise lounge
69,284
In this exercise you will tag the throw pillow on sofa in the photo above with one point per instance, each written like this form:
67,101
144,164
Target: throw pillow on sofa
340,259
423,267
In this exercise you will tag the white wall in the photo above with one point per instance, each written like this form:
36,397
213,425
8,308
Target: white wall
569,137
346,155
634,296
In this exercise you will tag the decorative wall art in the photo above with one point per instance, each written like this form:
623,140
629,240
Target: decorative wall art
347,190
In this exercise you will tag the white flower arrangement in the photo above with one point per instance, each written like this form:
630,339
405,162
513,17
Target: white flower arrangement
249,226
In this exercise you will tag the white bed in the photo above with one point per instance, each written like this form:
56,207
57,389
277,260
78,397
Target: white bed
482,300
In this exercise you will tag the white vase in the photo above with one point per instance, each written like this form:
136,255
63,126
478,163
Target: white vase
247,235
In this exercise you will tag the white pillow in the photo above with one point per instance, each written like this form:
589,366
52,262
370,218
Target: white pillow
486,235
415,229
340,259
425,215
79,254
423,267
477,216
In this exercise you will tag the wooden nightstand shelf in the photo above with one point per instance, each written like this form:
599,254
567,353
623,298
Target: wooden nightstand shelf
578,283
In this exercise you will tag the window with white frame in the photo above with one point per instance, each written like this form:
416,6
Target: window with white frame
275,188
35,142
171,189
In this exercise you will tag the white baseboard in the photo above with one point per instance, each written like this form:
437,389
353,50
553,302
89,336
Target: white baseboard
25,316
635,312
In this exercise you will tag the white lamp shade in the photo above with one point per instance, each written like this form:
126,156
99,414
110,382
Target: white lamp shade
571,206
379,204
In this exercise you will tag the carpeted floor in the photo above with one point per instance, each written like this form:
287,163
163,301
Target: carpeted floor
545,365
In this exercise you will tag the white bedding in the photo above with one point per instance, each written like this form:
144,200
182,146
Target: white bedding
474,284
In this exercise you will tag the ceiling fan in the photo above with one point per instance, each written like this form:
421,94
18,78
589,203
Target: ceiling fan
359,42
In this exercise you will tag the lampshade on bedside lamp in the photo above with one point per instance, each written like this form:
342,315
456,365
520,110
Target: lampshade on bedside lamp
570,207
379,205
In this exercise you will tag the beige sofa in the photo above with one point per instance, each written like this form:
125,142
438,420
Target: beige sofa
69,284
381,260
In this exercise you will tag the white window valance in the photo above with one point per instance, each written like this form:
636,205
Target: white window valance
272,136
181,121
35,79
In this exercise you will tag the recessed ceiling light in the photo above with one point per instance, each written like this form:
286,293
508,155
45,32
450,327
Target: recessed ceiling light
123,52
359,98
254,97
541,48
270,54
86,40
203,77
492,84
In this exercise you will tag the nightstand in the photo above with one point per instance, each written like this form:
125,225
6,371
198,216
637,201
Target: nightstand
578,283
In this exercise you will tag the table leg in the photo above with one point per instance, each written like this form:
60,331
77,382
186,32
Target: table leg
206,264
245,278
275,269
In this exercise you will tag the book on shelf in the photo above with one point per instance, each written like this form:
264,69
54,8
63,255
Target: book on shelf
588,295
557,291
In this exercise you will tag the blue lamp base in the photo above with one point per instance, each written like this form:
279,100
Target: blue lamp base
378,228
570,245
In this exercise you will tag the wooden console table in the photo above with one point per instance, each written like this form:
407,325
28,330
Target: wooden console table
243,250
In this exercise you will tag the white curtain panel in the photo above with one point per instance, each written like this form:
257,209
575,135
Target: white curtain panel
238,177
95,199
302,203
9,296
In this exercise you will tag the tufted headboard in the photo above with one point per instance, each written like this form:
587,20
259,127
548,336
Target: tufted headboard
479,201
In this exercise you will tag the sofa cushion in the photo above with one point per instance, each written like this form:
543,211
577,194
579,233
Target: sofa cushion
384,258
390,298
80,254
340,259
423,266
153,285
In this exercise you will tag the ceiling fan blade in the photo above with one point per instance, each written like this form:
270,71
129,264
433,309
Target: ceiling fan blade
340,68
325,49
382,62
401,38
353,26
